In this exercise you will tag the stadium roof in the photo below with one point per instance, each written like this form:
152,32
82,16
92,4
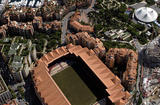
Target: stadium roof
146,14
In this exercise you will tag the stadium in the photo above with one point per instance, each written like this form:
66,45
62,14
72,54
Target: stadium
85,82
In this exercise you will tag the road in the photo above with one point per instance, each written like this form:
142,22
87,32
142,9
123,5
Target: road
65,26
155,8
66,19
90,8
139,48
138,5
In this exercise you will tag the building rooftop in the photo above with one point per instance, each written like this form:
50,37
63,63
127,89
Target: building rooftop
85,40
17,63
74,22
3,86
127,56
13,49
146,14
12,102
33,3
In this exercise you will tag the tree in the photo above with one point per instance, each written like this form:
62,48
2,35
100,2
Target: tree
21,91
12,92
140,27
133,31
150,2
122,8
51,44
142,38
123,17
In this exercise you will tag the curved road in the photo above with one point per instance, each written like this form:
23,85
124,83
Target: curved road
66,18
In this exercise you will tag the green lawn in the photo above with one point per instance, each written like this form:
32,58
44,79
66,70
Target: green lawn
74,88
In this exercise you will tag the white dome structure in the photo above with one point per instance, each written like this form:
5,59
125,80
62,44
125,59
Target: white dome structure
146,14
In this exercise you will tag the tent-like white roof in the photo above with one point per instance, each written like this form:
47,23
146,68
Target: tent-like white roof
146,14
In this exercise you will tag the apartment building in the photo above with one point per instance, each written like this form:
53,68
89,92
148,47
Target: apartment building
78,4
20,55
24,21
124,56
37,22
5,95
22,14
76,25
16,68
25,29
3,31
20,67
46,27
12,102
85,40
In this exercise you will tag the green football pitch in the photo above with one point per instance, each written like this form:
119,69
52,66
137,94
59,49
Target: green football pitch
74,88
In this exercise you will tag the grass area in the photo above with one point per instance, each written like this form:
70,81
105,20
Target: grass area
74,88
110,44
